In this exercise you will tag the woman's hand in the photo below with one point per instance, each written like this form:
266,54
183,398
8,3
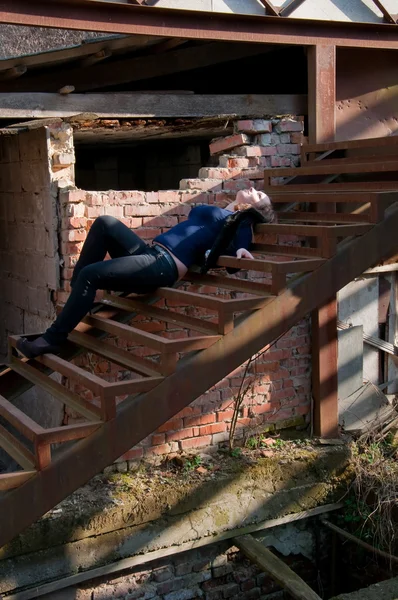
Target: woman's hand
243,253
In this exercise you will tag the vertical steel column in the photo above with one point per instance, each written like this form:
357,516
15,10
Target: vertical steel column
322,128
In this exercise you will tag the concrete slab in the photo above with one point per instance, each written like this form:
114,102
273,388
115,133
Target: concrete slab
385,590
363,410
131,515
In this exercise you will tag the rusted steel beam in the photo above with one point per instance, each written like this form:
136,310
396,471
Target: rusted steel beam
335,168
370,143
24,424
322,128
237,285
113,354
279,250
162,314
36,377
67,433
323,217
386,14
350,186
18,451
270,8
322,93
140,416
312,230
123,18
289,8
282,194
151,340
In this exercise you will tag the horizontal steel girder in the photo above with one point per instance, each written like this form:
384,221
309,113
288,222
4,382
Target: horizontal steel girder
122,17
140,416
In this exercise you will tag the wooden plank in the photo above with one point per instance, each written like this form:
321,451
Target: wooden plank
9,481
81,406
323,217
313,230
319,168
132,69
278,250
228,283
93,59
114,354
57,56
18,419
168,316
13,73
67,433
275,567
149,339
16,450
125,105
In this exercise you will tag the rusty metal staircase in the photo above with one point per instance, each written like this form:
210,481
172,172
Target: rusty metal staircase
301,278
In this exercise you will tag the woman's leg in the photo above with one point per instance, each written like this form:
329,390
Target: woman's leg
107,235
134,274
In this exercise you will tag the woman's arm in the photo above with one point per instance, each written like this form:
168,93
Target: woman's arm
240,245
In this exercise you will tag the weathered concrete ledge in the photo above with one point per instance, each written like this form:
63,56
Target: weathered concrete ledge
385,590
139,513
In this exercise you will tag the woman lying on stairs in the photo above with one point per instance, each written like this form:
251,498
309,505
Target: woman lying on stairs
140,268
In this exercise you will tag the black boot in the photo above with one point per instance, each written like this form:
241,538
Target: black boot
37,347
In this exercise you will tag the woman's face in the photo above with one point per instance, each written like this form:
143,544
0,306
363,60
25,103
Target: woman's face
253,197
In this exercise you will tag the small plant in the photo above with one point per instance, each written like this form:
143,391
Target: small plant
252,443
193,462
370,510
279,443
236,453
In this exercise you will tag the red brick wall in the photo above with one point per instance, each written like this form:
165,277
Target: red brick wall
281,376
210,573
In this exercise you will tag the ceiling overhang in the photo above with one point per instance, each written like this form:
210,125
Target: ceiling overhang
123,17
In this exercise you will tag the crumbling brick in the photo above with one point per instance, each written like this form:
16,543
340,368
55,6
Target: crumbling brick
227,143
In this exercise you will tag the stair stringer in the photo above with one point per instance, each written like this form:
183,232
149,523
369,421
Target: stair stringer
138,417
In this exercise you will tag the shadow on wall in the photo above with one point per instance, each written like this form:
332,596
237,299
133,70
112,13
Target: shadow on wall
143,514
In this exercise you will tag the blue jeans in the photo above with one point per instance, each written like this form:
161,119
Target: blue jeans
134,267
